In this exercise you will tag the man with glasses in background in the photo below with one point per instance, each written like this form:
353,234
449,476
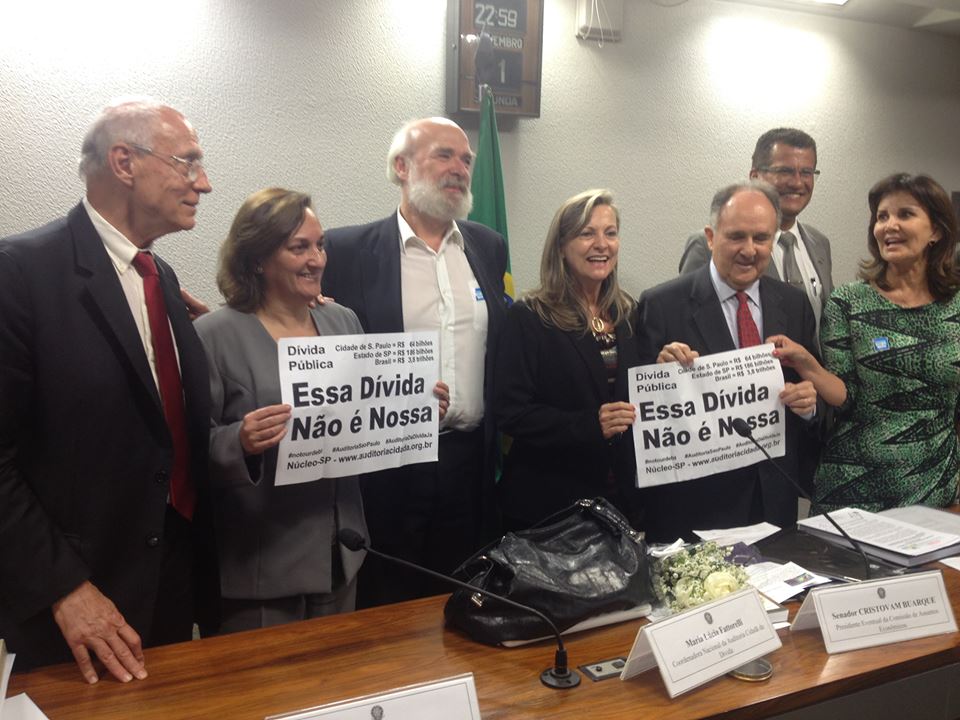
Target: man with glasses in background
105,412
787,159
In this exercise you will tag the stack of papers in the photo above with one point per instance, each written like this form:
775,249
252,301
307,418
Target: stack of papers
731,536
782,582
886,537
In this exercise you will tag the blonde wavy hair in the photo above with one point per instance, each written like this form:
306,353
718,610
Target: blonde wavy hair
558,301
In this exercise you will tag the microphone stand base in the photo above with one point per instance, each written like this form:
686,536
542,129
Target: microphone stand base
552,679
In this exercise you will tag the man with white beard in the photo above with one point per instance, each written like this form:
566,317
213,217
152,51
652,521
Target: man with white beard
425,268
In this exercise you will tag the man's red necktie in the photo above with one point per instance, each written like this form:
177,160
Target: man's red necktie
746,327
182,492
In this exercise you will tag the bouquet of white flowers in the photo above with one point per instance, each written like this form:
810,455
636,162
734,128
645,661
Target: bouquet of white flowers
695,574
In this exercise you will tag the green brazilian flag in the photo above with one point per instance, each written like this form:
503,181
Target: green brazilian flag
489,207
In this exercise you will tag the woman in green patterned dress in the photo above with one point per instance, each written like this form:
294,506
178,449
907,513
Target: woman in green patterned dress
891,345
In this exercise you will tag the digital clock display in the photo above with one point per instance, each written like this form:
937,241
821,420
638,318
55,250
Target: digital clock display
512,32
510,15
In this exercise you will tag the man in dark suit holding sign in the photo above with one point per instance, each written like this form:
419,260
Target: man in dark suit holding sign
104,418
424,268
730,304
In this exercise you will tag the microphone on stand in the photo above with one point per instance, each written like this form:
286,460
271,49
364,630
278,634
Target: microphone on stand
558,677
743,429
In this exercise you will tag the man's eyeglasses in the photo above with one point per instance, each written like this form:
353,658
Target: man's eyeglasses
782,172
193,167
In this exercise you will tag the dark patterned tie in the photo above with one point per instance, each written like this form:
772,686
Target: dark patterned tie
182,492
791,270
746,328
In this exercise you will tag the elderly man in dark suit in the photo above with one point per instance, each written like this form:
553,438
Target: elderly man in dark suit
105,407
786,158
730,304
424,268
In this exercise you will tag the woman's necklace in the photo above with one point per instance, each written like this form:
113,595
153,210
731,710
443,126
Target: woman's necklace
596,324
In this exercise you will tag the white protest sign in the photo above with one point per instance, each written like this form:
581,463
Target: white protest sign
878,612
705,642
684,426
360,403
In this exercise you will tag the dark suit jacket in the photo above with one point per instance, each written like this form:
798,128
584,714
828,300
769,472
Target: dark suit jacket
85,453
363,274
549,387
688,310
696,254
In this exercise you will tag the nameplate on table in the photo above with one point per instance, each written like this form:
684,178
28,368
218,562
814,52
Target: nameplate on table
698,645
453,698
878,612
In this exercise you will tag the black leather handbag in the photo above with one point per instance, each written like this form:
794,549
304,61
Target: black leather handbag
577,564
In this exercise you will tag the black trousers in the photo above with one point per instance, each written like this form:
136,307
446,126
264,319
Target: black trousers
173,612
429,513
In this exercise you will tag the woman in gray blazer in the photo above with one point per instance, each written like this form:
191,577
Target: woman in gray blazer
279,556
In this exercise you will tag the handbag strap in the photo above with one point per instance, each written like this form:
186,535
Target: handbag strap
608,515
602,511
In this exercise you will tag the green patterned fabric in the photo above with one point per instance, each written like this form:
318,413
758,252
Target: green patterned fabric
895,441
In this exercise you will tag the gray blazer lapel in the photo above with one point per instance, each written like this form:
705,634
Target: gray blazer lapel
817,249
771,270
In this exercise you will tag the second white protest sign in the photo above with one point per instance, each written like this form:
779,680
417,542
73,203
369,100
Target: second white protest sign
684,426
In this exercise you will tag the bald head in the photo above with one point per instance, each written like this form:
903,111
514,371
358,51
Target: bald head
144,171
431,161
407,138
740,237
134,120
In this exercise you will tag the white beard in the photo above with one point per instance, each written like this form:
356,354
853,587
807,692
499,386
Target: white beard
432,201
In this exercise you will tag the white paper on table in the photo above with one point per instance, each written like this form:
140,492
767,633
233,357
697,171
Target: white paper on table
21,707
662,551
953,562
781,582
748,534
6,667
883,532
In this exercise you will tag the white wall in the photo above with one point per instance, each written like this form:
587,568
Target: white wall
307,93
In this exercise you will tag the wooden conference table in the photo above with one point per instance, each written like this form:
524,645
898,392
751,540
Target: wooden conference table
265,672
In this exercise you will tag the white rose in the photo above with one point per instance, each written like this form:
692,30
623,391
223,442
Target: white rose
683,591
719,583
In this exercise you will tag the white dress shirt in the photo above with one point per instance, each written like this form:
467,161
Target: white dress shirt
730,304
121,253
440,292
